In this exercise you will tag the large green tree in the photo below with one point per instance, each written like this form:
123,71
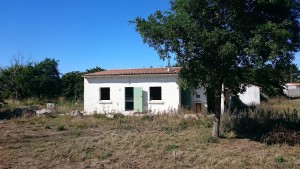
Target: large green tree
294,74
72,83
2,103
224,42
11,77
39,80
47,79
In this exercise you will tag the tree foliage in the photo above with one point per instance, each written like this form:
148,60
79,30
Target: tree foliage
39,80
95,69
73,85
228,43
294,74
2,102
42,79
11,77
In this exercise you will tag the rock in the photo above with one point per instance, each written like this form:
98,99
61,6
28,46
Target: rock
190,116
50,105
23,112
109,116
27,112
76,113
43,112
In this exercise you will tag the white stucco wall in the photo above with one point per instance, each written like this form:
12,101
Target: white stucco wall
169,88
202,99
170,93
251,95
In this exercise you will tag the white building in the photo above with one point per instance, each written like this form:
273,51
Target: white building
153,90
292,90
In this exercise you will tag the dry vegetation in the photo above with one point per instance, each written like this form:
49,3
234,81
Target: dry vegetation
133,142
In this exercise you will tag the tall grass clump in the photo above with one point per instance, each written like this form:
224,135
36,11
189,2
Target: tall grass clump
264,123
66,106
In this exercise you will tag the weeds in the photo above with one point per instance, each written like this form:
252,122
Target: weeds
209,139
170,147
105,156
279,159
281,135
161,141
265,124
147,118
130,141
60,128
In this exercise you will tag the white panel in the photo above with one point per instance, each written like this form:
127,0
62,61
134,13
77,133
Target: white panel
251,95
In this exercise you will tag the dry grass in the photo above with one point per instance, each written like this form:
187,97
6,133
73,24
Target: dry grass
281,105
132,142
62,106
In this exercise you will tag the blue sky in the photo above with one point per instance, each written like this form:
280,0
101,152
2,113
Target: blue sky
81,34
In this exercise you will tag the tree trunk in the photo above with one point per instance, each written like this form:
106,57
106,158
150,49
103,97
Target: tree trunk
210,94
217,112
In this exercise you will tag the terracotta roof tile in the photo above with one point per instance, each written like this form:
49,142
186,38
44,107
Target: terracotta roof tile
293,84
141,71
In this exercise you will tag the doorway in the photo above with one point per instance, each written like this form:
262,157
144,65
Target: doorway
129,104
134,99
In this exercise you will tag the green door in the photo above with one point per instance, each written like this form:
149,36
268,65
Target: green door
138,99
186,98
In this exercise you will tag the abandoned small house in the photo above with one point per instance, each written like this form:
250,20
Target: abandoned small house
292,90
152,90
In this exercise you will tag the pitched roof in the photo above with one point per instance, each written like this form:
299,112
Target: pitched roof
141,71
293,84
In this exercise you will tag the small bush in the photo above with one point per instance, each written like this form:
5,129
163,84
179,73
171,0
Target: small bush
183,125
118,116
79,126
279,159
100,116
60,128
167,129
147,118
105,156
281,135
76,133
47,127
171,147
210,139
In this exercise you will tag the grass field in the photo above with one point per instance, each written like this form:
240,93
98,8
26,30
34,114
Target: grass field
132,142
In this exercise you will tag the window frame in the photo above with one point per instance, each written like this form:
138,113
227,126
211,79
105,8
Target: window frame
103,92
155,97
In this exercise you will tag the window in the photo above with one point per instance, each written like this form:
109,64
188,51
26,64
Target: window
197,94
105,93
155,93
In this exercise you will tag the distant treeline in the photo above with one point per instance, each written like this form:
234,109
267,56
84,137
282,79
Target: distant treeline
41,80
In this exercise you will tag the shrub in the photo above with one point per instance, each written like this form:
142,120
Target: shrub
210,139
60,128
118,116
171,147
281,135
147,118
167,129
183,125
279,159
261,124
100,116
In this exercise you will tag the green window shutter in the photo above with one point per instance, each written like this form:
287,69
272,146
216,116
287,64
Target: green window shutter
138,99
